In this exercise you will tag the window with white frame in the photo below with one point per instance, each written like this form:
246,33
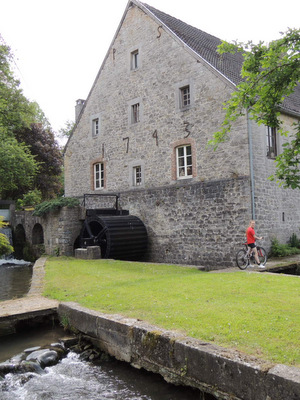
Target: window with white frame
135,113
98,176
134,59
185,96
137,175
184,166
271,142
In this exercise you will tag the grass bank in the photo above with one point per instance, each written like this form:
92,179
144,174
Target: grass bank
258,314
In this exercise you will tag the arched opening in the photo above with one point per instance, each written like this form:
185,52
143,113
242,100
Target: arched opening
38,247
19,240
37,234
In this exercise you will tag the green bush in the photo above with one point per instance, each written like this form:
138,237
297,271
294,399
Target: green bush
32,198
55,204
5,247
294,241
282,250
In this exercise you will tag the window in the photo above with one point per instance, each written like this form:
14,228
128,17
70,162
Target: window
184,167
98,176
95,127
271,142
135,113
135,60
185,97
137,175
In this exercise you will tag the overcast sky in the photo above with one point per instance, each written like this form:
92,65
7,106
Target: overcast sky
59,45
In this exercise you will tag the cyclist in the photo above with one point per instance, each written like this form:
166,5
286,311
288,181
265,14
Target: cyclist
251,237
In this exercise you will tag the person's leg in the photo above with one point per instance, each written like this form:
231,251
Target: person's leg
249,253
257,258
254,250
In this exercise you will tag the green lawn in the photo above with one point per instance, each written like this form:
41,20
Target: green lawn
258,314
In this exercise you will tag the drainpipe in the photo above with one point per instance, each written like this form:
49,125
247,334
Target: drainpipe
249,128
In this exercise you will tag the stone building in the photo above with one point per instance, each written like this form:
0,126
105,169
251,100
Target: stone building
143,132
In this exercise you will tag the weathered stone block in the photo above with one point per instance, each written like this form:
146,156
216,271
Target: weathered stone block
93,252
81,253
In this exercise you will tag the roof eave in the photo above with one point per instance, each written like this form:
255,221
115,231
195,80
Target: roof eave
197,56
291,113
170,32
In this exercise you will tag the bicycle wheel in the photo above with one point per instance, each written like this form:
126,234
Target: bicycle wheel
242,260
262,255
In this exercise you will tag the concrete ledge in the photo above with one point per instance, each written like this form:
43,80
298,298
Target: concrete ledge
33,307
38,273
10,324
224,373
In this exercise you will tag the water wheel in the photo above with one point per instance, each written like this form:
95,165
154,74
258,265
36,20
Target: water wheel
122,237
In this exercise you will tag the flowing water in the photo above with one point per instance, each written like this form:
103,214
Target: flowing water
15,278
73,378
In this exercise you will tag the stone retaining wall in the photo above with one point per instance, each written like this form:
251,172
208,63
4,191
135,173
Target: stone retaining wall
59,229
200,223
226,374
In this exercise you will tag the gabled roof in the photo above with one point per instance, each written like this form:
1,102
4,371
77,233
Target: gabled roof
205,46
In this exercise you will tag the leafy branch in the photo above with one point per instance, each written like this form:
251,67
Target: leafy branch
269,74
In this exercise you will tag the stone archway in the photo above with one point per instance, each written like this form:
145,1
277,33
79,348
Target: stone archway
19,240
37,234
38,240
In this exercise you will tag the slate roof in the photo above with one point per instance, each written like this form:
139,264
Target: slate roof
205,46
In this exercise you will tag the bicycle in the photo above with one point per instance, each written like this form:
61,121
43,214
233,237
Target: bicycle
245,256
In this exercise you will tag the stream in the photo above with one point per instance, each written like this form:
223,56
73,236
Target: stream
72,377
75,378
15,278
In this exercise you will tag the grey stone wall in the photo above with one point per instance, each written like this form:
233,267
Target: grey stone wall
198,220
277,210
60,229
201,224
27,221
165,65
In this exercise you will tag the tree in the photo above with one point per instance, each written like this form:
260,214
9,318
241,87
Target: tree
270,73
15,109
67,130
30,156
5,247
45,149
18,168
